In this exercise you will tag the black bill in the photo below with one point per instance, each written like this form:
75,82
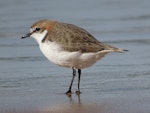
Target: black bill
26,36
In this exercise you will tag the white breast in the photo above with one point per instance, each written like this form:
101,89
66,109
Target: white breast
58,56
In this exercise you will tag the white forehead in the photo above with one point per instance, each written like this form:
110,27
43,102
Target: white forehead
32,29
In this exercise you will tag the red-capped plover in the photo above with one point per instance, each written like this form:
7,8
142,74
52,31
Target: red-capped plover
69,46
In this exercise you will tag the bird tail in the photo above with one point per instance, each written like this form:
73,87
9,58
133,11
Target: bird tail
119,50
104,52
109,49
114,49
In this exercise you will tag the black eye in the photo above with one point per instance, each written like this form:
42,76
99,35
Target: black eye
37,29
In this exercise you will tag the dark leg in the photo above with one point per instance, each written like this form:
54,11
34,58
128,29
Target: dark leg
73,76
79,76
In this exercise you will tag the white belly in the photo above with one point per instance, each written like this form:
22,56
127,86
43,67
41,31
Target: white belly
58,56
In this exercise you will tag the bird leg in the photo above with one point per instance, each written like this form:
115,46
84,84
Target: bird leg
79,76
73,76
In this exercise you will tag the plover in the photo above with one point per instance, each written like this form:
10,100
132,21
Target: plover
69,46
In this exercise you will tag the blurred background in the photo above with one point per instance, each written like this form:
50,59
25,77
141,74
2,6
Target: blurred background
28,79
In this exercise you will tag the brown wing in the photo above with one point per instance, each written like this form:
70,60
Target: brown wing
74,38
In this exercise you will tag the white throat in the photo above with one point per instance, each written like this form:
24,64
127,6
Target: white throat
39,36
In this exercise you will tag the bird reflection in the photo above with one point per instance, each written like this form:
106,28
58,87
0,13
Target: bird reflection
73,100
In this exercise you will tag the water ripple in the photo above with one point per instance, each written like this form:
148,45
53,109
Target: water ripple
35,58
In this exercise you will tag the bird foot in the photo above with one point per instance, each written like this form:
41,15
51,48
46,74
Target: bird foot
69,93
78,92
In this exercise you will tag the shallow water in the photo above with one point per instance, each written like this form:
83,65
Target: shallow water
119,83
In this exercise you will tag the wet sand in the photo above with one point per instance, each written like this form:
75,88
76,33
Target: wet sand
111,106
75,105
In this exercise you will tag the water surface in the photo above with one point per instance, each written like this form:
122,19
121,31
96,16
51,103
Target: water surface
119,83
